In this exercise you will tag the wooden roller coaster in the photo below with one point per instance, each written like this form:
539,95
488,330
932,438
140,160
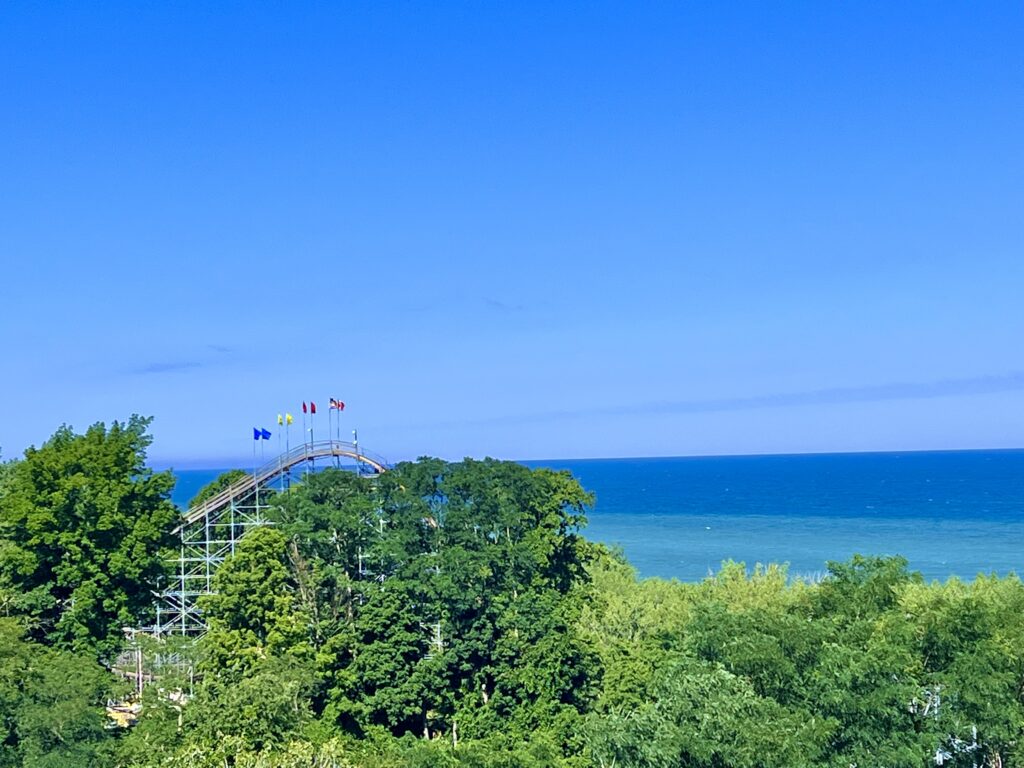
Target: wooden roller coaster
210,530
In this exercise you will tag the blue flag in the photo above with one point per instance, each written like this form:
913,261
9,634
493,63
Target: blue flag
265,434
255,434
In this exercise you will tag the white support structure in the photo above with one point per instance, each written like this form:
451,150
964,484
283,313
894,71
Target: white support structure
210,530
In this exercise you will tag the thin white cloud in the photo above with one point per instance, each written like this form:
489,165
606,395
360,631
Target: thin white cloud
961,387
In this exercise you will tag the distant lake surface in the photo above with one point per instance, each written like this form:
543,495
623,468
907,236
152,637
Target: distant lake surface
956,513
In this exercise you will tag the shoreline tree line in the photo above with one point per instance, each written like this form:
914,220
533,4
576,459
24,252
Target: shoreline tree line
453,614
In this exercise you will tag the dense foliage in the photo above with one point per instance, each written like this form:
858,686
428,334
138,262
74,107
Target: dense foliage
220,483
82,525
51,704
451,615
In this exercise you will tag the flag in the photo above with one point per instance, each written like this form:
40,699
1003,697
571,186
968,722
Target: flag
312,407
304,409
337,404
280,420
265,434
255,434
288,418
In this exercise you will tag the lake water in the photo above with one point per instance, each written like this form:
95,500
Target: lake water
956,513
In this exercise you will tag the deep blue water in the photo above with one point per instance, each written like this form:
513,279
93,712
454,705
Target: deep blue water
949,513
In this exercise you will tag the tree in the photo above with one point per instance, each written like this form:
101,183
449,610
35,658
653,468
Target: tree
218,484
256,662
330,523
251,614
440,598
970,642
83,527
6,468
701,716
263,708
51,704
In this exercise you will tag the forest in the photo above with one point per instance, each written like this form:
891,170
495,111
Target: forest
454,615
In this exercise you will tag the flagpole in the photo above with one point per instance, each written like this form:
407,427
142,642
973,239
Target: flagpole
330,408
288,446
255,481
355,444
305,466
280,458
338,426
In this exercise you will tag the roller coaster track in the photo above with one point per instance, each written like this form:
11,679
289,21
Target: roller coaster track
306,453
210,530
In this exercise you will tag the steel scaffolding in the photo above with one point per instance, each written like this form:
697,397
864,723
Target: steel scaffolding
210,530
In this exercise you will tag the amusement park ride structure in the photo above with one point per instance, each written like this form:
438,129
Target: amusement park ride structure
210,530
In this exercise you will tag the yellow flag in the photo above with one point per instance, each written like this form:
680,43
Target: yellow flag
288,418
280,419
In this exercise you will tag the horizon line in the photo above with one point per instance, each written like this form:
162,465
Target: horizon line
200,464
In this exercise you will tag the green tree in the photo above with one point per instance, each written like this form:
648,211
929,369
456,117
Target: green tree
220,483
263,708
256,661
6,468
970,642
83,522
51,705
251,614
330,523
702,716
442,597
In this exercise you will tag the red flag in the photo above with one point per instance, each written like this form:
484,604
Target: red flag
304,410
341,406
312,407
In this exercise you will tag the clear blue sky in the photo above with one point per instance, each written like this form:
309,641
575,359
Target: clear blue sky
519,229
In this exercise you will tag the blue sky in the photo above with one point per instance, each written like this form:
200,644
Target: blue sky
528,230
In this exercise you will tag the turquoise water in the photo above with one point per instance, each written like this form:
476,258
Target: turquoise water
956,513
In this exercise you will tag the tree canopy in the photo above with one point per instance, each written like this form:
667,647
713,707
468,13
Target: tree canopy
83,526
452,614
218,484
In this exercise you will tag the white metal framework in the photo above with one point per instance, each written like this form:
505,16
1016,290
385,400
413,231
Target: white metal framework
210,530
